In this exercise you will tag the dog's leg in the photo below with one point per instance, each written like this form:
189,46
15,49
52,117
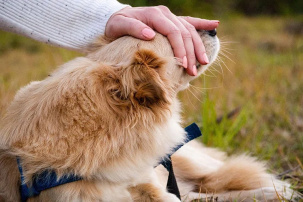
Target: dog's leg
149,189
150,193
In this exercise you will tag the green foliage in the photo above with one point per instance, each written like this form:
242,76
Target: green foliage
220,133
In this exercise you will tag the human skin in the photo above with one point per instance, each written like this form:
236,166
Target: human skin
141,22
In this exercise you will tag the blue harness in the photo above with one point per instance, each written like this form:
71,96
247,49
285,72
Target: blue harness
48,178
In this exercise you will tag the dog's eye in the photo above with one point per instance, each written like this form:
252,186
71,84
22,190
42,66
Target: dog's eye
141,101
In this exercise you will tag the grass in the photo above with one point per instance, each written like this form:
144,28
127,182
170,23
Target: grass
265,80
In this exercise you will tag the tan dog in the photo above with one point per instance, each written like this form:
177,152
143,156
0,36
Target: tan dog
110,117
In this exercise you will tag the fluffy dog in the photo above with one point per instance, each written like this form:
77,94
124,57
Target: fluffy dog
110,117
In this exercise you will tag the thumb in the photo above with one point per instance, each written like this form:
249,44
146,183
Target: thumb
120,25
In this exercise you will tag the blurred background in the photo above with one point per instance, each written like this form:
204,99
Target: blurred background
250,101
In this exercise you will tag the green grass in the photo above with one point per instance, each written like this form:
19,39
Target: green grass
220,133
265,79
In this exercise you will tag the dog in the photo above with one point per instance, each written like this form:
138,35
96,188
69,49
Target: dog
110,117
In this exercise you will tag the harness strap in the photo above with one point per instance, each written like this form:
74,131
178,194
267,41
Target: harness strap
48,178
193,131
172,186
42,181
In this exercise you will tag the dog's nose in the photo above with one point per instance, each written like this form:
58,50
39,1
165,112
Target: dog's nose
212,32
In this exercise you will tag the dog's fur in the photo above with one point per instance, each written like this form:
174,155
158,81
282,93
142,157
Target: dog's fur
110,117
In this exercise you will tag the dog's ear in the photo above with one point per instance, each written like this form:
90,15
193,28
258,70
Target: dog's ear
149,79
140,83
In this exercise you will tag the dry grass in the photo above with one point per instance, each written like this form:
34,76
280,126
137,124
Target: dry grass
265,79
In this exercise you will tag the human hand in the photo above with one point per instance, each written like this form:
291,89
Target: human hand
180,31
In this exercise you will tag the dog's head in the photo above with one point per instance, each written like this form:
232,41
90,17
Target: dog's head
145,75
120,52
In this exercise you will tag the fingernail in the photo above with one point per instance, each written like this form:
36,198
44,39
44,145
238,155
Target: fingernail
184,63
148,33
216,21
195,70
205,58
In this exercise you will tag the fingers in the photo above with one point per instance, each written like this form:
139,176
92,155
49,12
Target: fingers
178,35
121,25
193,44
161,23
187,40
202,23
198,44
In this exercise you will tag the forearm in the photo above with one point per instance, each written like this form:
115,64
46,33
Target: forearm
66,23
